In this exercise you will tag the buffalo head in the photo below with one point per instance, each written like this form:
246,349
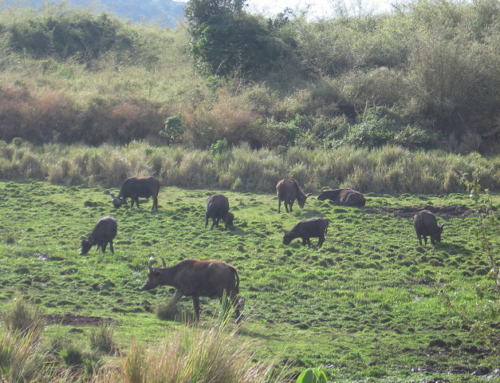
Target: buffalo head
117,201
154,275
86,245
301,199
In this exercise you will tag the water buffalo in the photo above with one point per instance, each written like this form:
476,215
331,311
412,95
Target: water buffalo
343,196
314,227
135,187
288,190
218,208
104,232
196,279
425,224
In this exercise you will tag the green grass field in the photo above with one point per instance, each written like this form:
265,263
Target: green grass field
371,303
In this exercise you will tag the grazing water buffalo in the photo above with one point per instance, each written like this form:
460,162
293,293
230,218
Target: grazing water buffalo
314,227
425,224
343,196
288,190
104,232
196,279
135,187
218,208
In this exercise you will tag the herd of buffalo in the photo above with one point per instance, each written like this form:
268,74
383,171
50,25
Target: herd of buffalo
212,279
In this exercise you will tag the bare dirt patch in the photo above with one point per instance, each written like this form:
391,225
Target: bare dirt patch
408,212
74,320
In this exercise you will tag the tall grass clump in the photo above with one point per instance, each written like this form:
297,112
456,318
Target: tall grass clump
102,337
21,353
200,355
387,169
21,316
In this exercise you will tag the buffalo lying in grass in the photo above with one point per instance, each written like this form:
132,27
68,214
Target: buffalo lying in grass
425,224
288,190
135,187
343,196
197,279
217,208
104,232
314,227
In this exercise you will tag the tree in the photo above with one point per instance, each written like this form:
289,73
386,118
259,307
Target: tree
227,40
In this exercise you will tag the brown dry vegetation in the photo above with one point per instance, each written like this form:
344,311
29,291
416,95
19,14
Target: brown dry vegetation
370,80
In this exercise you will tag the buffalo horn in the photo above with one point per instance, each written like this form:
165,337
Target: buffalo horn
112,195
164,265
150,264
308,194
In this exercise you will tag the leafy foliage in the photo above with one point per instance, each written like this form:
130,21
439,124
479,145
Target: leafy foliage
236,44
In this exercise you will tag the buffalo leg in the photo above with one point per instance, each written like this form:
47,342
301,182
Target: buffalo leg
419,240
206,221
291,205
137,202
111,247
103,246
320,242
286,206
196,306
279,205
175,299
155,203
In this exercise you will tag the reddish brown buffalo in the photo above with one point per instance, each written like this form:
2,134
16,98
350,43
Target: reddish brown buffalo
288,190
425,224
197,279
343,196
135,187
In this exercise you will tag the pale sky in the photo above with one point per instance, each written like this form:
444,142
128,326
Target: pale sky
319,8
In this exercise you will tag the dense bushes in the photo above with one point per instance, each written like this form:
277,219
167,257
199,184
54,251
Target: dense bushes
433,66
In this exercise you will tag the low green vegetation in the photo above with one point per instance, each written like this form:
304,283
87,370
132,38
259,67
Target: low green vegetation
371,303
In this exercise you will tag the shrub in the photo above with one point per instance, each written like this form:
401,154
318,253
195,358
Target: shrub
21,316
173,130
102,338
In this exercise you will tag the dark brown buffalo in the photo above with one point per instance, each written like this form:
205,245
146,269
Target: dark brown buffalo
135,187
425,224
218,209
196,279
104,232
343,196
288,190
314,227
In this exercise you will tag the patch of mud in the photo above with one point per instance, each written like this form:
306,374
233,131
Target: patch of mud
74,320
407,212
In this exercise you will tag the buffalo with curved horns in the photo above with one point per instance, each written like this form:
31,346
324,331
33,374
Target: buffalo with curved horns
197,279
425,224
314,227
217,208
104,232
343,196
288,190
135,187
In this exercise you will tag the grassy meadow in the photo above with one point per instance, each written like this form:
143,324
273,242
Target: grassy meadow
371,305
